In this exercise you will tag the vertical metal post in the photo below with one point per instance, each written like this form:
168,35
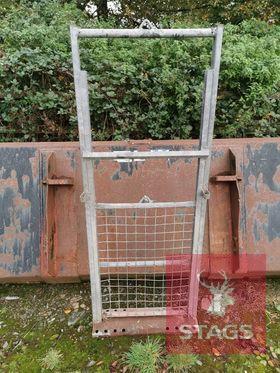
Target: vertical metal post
81,91
202,193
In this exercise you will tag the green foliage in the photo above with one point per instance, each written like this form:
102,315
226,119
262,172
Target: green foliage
138,88
249,96
37,94
222,11
235,11
180,363
144,357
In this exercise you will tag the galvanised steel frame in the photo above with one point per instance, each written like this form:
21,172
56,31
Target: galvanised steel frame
143,320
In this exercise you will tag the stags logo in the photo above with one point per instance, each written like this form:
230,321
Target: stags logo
230,308
221,296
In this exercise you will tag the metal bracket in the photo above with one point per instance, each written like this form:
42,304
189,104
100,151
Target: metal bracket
146,199
58,181
227,235
226,178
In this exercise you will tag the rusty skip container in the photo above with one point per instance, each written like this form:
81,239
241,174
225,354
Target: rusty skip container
42,222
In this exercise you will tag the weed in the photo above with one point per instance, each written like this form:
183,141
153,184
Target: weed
13,367
179,363
52,359
144,357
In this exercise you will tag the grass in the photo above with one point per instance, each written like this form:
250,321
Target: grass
180,363
144,356
52,360
35,337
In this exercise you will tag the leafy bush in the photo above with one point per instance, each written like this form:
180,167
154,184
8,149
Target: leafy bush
138,89
37,92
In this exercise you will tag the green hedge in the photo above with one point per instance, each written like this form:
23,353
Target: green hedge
138,89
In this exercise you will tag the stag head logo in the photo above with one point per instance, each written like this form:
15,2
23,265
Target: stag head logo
221,296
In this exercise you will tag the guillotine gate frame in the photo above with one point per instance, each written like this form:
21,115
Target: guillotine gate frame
142,320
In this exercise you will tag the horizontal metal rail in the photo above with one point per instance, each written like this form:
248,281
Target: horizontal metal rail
143,205
143,263
136,263
156,311
149,154
144,33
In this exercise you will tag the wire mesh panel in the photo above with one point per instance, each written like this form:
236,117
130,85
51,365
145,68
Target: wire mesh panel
134,247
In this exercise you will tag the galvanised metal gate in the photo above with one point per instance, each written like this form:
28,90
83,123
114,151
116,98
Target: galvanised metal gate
130,245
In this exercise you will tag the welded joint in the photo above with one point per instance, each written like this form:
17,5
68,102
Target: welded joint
146,24
85,197
205,193
146,199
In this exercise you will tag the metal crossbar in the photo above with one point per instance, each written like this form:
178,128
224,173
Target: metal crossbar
131,244
151,154
142,33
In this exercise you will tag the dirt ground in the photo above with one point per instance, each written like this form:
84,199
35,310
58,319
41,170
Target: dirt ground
37,319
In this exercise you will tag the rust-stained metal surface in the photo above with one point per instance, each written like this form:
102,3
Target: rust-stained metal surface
42,223
261,218
126,325
19,213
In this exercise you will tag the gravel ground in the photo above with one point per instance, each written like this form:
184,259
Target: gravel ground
47,327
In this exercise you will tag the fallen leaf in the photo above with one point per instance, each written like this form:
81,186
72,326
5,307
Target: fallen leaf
270,362
114,364
67,310
99,363
53,337
216,352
